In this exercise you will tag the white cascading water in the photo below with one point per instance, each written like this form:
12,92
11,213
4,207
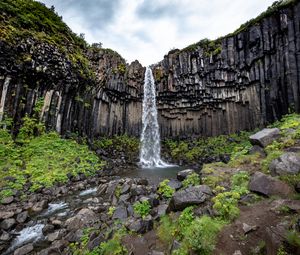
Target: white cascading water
150,138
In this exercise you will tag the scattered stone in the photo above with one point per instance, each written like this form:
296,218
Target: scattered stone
57,223
125,188
275,237
56,235
288,163
40,206
156,253
162,210
24,249
22,217
7,200
175,184
95,242
5,215
265,137
190,196
120,213
257,149
268,186
47,229
4,236
84,218
181,175
58,246
140,226
247,228
7,223
74,237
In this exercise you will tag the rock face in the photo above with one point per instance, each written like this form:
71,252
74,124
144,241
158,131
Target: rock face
241,84
190,196
265,137
288,163
268,186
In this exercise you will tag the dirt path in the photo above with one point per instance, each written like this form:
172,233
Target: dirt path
260,216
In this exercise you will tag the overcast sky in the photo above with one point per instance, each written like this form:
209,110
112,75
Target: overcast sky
147,30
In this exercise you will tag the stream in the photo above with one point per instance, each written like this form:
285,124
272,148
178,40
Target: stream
66,207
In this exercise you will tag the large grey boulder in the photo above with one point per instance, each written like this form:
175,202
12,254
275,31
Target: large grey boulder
26,249
268,186
190,196
84,218
265,137
288,163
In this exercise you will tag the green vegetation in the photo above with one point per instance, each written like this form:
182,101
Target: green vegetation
293,238
111,210
234,145
112,246
209,47
119,144
196,234
40,159
142,208
226,203
191,180
20,19
164,189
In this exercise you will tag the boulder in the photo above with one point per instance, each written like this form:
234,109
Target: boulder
268,186
40,206
22,217
288,163
26,249
7,200
7,223
140,226
84,218
265,137
5,215
120,213
175,184
189,196
181,175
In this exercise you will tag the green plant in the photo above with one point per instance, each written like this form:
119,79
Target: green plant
111,211
293,238
165,190
185,219
191,180
167,230
281,251
200,236
225,204
142,208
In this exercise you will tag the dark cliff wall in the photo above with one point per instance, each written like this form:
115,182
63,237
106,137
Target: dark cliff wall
107,104
248,79
239,82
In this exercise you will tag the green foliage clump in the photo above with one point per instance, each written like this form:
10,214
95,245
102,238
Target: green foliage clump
112,246
226,203
233,145
142,208
191,180
293,238
209,47
121,144
201,236
197,235
111,210
41,159
165,190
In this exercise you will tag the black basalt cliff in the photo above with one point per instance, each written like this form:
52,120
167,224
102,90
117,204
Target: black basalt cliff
238,82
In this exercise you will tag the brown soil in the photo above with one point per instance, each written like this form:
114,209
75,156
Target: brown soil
232,238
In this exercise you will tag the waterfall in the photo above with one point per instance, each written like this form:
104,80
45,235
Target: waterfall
150,138
3,97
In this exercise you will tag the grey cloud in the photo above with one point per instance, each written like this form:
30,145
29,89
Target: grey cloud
93,13
153,10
